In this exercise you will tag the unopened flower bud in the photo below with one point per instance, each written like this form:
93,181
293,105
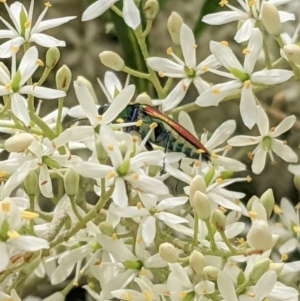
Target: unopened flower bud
168,252
89,85
197,262
270,17
197,184
250,202
143,99
71,181
259,236
209,175
241,278
106,228
297,182
201,204
31,184
132,265
151,9
211,272
112,60
173,25
261,266
218,219
268,200
52,57
277,267
57,296
18,143
292,52
63,78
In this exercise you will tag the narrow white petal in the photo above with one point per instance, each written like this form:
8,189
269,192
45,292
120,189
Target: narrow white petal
244,32
6,48
255,47
44,25
220,200
289,246
295,169
19,108
131,211
131,14
271,77
262,121
119,195
259,160
187,43
45,182
210,62
42,92
225,56
46,40
112,83
224,17
149,229
178,271
118,104
97,9
29,243
226,288
4,256
284,151
28,64
170,218
243,140
7,34
285,16
149,185
248,107
171,203
284,126
166,66
229,163
200,84
265,284
146,158
185,120
92,170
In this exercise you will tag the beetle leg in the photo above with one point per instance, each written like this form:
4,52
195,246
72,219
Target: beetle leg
166,148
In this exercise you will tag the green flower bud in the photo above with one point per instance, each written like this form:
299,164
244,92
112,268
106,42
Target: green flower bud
112,60
239,74
173,25
50,162
106,228
227,174
168,252
259,236
270,17
197,184
267,143
16,81
292,52
151,9
95,246
201,204
63,78
57,296
189,296
89,85
218,219
211,272
241,278
268,200
123,169
4,227
261,266
297,182
31,184
209,175
18,143
132,265
197,262
71,182
52,57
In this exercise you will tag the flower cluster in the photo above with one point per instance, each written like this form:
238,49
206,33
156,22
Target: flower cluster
141,205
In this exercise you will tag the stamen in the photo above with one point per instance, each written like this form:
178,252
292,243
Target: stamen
120,120
8,87
139,123
204,68
27,24
246,51
224,43
99,117
284,257
13,234
135,177
29,215
277,209
40,63
247,84
5,206
252,214
114,236
222,3
110,147
138,240
110,175
139,205
169,51
161,74
248,179
48,4
216,91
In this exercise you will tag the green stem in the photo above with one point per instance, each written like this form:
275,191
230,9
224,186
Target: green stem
227,242
42,125
211,236
44,76
265,46
136,73
148,28
59,115
196,228
117,11
74,207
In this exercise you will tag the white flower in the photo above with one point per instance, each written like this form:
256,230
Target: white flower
243,77
267,144
15,85
131,13
187,69
125,167
152,213
13,296
250,15
24,31
11,221
220,135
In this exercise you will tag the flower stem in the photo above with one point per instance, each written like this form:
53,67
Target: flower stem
196,228
59,115
211,236
227,242
74,207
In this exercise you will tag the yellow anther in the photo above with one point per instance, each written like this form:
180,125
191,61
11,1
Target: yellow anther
126,297
99,117
135,139
110,147
297,207
246,51
153,125
216,91
252,214
222,209
160,74
284,142
228,147
169,50
48,4
214,155
139,205
195,46
251,295
27,24
277,209
200,151
204,68
182,294
251,2
14,49
135,177
120,120
273,162
247,84
197,163
75,283
138,239
2,174
284,257
184,87
114,236
219,180
249,179
7,86
2,1
296,229
203,291
110,175
29,215
224,43
147,295
222,3
237,201
240,240
250,155
139,123
53,144
5,206
13,234
143,272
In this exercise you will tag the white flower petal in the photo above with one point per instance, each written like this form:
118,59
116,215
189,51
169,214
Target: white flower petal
225,286
294,169
259,160
187,43
97,9
45,182
167,67
149,185
284,126
228,163
119,195
170,218
44,25
146,158
46,40
285,16
92,170
19,108
284,151
224,17
271,77
6,48
255,47
42,92
148,229
243,140
4,256
262,121
220,200
112,83
200,84
185,120
29,243
171,203
131,14
248,107
244,32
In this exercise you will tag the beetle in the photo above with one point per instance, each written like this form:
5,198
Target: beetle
168,134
